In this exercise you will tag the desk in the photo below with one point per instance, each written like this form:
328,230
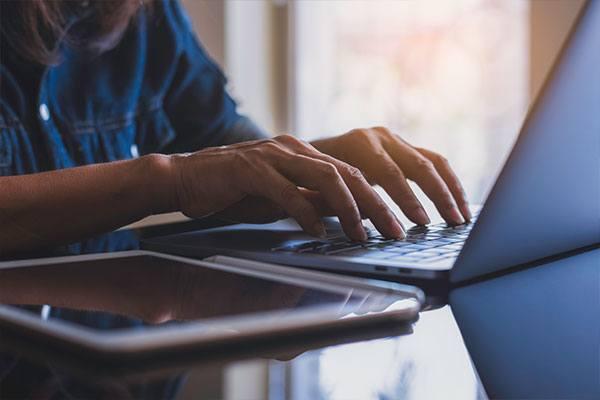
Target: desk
534,333
430,363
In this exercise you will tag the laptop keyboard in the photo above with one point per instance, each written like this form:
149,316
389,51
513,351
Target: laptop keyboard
423,244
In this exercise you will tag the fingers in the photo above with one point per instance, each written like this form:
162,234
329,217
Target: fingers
277,188
318,202
324,177
421,170
443,167
269,169
369,202
391,178
260,210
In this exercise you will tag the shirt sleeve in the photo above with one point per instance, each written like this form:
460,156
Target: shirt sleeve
199,108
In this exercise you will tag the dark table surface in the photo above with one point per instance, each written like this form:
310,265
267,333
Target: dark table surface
534,333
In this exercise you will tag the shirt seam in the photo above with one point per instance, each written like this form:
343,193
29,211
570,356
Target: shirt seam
114,123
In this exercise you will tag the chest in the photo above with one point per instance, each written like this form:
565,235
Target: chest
82,111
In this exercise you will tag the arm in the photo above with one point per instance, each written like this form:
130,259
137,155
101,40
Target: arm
61,206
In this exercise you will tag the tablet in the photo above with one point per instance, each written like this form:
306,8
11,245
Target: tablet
139,305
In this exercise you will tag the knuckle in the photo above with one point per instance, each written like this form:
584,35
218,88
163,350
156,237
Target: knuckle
328,169
423,165
391,170
440,159
384,132
270,145
288,139
381,130
362,134
354,173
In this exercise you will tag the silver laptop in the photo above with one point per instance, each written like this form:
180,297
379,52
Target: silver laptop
546,200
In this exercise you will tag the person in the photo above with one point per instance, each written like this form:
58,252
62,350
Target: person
111,111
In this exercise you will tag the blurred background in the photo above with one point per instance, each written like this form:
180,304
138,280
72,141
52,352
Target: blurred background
455,76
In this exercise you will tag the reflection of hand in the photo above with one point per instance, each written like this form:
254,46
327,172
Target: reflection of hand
389,161
205,293
154,290
224,178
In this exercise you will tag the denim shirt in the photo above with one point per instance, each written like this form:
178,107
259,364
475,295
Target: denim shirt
156,90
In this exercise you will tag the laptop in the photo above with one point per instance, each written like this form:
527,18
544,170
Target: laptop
545,201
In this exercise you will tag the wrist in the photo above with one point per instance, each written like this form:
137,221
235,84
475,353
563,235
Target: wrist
159,177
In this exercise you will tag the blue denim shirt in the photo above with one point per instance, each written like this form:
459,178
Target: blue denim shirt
155,91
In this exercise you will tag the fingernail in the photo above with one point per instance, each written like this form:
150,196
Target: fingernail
397,227
398,231
422,217
318,230
456,216
360,233
466,211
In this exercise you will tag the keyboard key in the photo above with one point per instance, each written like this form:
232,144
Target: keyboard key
423,244
415,247
455,246
445,250
428,253
435,243
400,243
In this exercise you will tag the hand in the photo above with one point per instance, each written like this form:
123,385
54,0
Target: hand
286,172
389,161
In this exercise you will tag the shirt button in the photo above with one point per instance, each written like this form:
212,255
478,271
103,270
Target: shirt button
135,153
44,112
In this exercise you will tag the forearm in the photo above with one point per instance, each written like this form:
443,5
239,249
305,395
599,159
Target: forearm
58,207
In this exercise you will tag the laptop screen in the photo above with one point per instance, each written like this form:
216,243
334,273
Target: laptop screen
545,201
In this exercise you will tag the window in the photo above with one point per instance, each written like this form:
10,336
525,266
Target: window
450,76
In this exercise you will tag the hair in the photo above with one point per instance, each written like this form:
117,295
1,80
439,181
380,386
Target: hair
35,28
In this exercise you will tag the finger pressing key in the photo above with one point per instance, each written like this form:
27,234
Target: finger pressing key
319,175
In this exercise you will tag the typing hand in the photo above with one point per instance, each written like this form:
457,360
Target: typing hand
275,175
388,160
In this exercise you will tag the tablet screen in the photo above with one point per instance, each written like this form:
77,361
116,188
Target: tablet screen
144,291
